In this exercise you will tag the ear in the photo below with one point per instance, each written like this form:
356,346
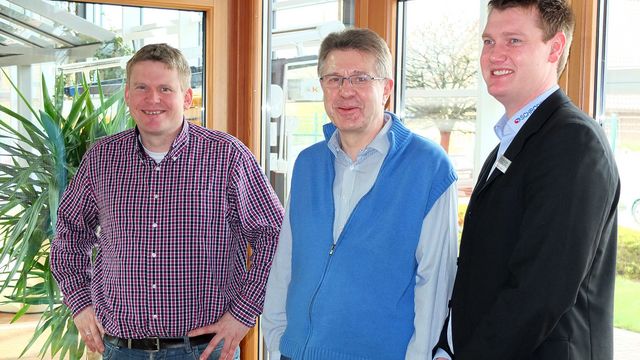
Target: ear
557,42
388,89
126,93
188,98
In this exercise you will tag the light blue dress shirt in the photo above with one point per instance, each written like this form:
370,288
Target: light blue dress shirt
507,128
435,254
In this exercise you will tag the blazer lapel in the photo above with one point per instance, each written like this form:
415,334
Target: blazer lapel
532,126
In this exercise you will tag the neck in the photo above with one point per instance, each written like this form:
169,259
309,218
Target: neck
159,143
353,143
512,109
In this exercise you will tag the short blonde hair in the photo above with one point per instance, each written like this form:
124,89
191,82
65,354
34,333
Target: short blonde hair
167,55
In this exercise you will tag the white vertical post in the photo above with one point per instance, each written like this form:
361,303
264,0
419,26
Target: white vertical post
488,113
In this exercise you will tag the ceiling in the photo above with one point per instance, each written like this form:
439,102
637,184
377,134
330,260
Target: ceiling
36,31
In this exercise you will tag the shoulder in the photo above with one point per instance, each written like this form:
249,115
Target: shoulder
117,142
315,149
313,154
426,151
568,123
218,141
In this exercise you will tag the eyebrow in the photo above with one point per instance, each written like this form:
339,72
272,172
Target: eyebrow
505,34
354,72
147,84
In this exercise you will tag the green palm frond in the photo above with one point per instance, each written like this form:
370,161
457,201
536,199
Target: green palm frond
39,158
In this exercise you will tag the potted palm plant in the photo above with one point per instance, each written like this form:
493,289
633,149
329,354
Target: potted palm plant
37,160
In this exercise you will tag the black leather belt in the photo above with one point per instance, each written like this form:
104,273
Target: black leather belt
156,344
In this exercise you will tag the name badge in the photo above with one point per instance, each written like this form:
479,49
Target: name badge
503,164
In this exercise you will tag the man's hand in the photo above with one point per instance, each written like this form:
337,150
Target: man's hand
227,328
90,329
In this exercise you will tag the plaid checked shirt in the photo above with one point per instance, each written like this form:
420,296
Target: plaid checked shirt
172,236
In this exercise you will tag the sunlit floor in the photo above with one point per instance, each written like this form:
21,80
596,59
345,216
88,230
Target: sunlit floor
14,337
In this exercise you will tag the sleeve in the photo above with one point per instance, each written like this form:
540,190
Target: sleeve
274,319
443,348
568,196
256,216
75,238
436,258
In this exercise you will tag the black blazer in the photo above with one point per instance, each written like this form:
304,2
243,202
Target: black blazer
536,269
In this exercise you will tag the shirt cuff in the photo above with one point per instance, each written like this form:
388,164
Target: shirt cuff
244,311
78,301
441,353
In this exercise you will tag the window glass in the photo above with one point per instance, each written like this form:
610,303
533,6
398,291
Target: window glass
59,38
439,85
618,110
296,111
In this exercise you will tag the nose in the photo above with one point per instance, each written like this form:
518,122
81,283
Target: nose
346,88
153,96
497,53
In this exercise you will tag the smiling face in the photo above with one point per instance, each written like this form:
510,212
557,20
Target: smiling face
156,102
517,64
357,112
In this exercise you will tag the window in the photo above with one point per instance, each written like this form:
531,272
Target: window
296,110
618,110
74,39
439,89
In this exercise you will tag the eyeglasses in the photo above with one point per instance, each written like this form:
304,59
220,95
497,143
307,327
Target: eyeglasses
335,81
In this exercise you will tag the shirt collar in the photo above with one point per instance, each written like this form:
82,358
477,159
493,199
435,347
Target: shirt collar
179,143
380,143
510,126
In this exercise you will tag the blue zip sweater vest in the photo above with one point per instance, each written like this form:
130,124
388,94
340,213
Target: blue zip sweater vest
358,302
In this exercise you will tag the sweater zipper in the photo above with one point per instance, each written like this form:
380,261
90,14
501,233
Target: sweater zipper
332,250
313,298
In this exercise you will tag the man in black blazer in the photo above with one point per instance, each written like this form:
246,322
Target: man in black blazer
537,259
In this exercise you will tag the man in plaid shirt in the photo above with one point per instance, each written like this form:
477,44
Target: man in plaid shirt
171,207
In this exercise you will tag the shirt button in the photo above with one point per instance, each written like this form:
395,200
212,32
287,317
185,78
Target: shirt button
154,225
156,196
153,255
352,167
157,168
174,158
154,286
154,317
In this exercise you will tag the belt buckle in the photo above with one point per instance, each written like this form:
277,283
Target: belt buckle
157,339
157,344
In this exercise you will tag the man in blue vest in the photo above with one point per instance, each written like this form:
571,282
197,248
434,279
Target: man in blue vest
366,257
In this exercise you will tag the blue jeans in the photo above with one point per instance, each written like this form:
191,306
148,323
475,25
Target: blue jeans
188,352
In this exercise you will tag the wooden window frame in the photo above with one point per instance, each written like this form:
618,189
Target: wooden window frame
233,46
579,78
232,62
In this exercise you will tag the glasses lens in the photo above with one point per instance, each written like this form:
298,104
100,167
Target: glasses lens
331,81
360,80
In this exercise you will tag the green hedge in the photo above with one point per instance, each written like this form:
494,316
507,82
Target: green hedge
628,261
628,253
